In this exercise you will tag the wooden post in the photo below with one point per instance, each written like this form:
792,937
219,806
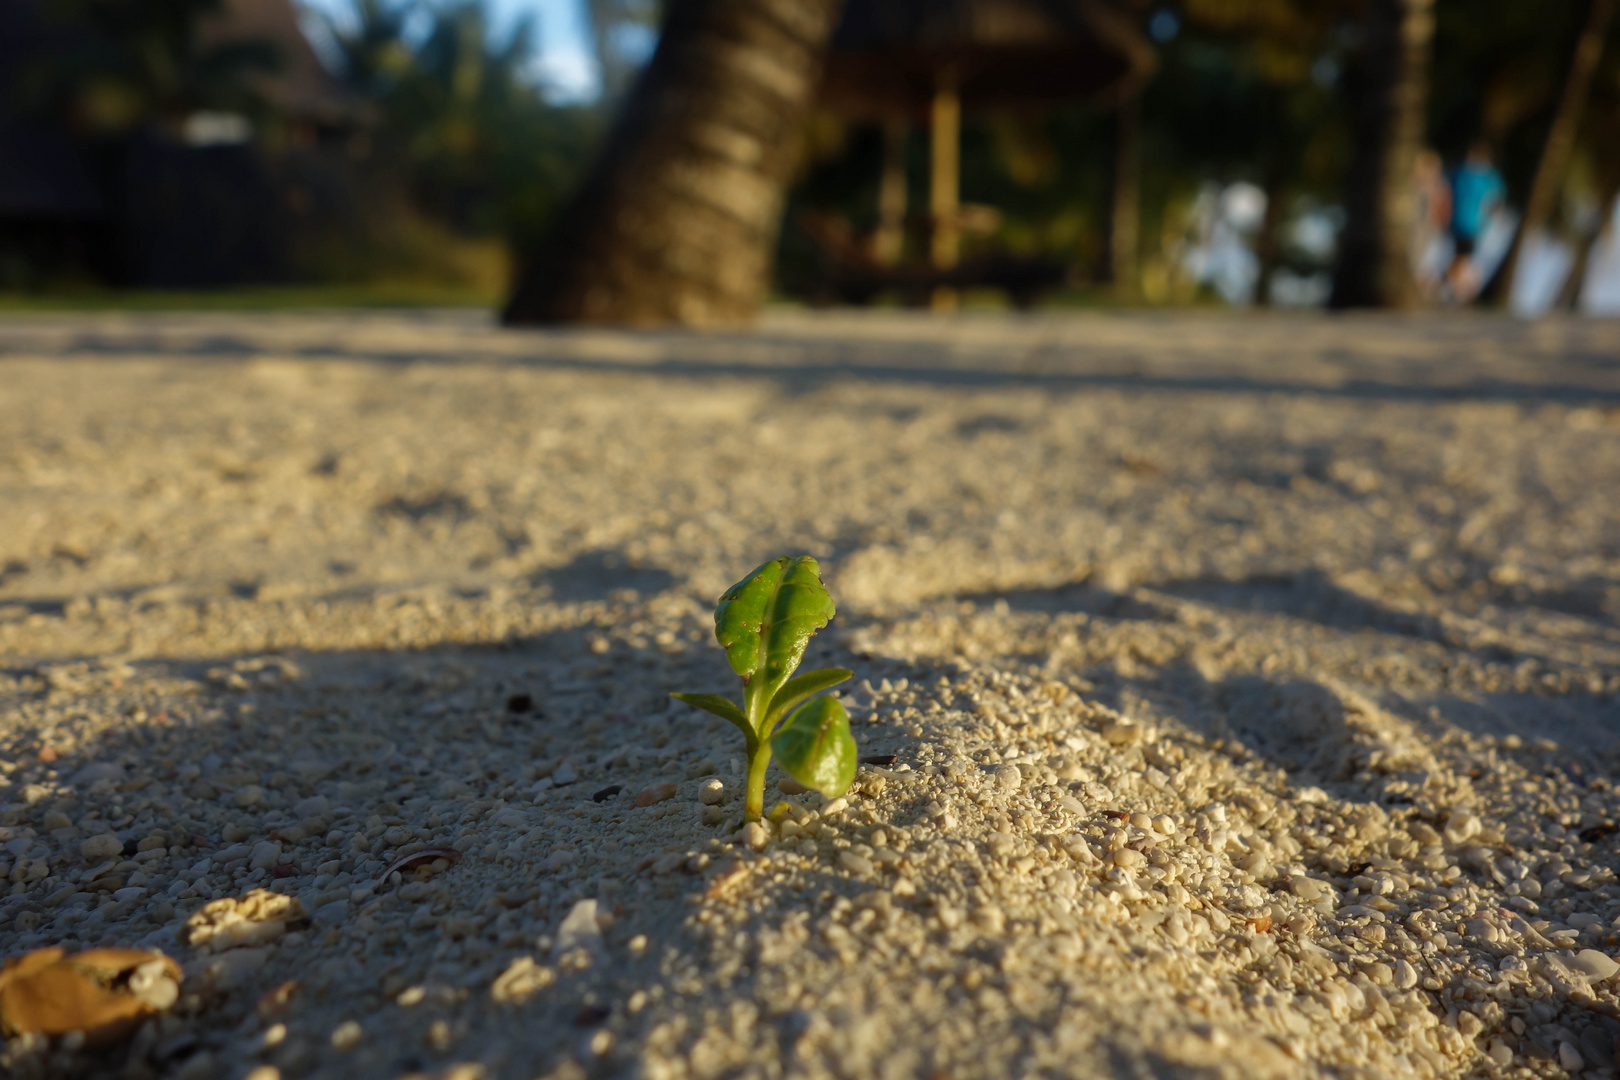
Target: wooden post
888,242
944,184
1375,261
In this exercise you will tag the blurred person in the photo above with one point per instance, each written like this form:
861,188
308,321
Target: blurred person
1477,193
1431,247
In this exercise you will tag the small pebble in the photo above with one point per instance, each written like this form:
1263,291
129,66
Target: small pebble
104,846
313,806
1595,965
655,794
755,835
789,786
265,855
711,792
1570,1058
854,863
1007,777
347,1035
1460,827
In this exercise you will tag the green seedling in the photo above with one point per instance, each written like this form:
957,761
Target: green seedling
764,623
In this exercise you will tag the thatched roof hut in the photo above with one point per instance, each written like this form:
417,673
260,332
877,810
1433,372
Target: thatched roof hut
300,89
889,57
900,61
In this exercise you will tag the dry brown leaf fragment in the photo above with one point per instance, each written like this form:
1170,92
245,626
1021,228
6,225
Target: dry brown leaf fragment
105,993
521,979
424,857
277,1001
656,794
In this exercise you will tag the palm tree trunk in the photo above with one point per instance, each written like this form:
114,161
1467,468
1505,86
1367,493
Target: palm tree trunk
1569,295
1265,241
945,186
1374,267
1124,216
1549,178
676,221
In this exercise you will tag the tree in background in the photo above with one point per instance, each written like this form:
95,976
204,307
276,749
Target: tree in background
1592,182
118,65
1253,91
460,135
1553,163
1374,263
676,220
620,30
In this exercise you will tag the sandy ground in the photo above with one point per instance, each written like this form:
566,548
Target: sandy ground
1252,687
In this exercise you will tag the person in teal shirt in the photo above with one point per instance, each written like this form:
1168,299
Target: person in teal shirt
1477,192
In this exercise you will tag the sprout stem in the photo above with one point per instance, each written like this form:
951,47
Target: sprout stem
759,760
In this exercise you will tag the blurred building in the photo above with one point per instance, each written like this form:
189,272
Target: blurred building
195,198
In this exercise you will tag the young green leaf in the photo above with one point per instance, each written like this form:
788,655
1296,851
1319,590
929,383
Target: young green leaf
765,621
815,747
720,706
801,687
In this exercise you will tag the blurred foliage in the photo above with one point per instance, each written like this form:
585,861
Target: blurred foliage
433,153
118,64
457,156
1246,90
458,122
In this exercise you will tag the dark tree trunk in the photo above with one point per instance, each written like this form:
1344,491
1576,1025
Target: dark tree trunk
1569,294
1549,177
1265,241
1123,231
1374,267
676,221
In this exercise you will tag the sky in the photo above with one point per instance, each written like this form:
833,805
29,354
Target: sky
566,64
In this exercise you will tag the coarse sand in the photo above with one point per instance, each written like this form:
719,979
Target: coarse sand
1241,695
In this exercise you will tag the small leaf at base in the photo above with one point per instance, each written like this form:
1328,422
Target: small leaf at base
720,706
800,687
815,747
